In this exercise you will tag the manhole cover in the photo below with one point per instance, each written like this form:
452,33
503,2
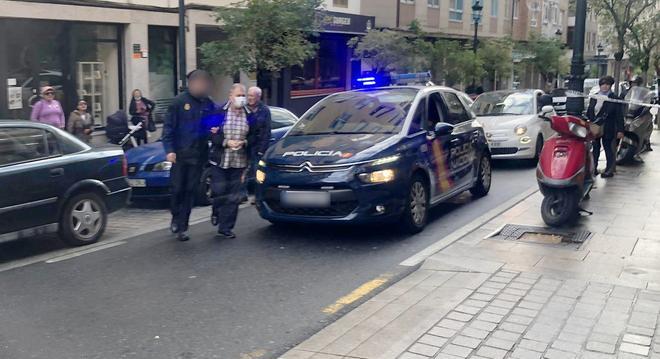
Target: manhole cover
515,232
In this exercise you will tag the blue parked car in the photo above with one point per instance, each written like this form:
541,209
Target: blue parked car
149,172
377,155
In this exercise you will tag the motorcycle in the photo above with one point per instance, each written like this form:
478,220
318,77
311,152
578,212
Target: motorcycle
565,169
638,125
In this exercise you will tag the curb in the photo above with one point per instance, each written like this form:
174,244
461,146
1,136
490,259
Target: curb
445,242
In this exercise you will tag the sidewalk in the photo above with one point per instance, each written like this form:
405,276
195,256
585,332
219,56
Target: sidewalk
530,298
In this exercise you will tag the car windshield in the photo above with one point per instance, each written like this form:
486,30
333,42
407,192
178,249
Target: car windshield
372,111
504,103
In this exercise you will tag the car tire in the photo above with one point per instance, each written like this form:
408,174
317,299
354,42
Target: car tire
203,196
416,211
83,219
484,177
538,148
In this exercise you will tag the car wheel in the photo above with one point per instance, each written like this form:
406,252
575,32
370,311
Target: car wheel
415,214
83,220
484,177
538,149
204,193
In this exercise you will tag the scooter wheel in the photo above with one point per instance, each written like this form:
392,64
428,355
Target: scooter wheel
559,208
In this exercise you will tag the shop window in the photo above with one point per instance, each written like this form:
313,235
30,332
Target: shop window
323,74
162,63
79,60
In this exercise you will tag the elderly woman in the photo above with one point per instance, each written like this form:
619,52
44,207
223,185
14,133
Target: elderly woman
80,122
48,110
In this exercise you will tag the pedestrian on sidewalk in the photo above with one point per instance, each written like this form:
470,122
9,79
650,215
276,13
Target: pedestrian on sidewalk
609,115
233,139
48,110
261,119
185,139
140,110
80,123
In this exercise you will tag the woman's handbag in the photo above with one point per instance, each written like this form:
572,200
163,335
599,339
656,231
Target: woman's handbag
596,130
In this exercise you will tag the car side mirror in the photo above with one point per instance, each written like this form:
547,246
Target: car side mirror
442,128
546,111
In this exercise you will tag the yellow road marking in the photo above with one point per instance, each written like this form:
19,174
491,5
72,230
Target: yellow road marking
358,293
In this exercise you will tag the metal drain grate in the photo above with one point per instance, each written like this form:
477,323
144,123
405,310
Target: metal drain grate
514,232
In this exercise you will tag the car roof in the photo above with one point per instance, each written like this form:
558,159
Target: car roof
23,123
418,88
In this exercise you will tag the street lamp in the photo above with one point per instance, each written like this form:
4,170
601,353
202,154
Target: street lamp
575,104
476,16
182,45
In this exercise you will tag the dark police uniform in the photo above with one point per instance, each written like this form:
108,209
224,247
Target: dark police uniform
186,133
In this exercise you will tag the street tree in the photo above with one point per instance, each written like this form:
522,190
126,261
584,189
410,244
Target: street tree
546,55
453,63
644,42
263,36
620,16
496,57
387,50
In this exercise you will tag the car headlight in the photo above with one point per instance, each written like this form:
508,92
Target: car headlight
381,176
261,163
578,130
260,176
520,130
384,160
162,166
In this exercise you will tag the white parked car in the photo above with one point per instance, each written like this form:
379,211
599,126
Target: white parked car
512,124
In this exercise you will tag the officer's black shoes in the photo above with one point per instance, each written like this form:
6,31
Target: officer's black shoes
174,228
596,172
214,219
225,235
182,236
607,174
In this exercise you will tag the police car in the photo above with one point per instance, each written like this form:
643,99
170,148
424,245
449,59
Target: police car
379,154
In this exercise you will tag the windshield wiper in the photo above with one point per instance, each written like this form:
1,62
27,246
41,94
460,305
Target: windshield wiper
339,133
499,114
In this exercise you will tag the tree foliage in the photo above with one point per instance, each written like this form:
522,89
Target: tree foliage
644,41
263,35
620,16
387,50
546,55
496,56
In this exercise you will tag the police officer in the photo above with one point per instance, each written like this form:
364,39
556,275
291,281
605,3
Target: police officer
185,138
608,114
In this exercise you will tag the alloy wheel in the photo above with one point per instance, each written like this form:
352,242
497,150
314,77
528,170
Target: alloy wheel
418,203
86,219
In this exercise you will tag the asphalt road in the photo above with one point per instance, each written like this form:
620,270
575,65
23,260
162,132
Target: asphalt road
251,297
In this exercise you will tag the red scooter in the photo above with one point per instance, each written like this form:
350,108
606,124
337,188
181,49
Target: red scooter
565,169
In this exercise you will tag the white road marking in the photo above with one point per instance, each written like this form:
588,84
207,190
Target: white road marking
85,251
466,229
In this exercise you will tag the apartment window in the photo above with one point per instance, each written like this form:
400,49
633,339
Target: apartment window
456,10
408,2
555,15
434,3
340,3
494,7
546,13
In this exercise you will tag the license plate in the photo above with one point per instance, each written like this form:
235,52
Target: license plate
137,183
494,144
307,199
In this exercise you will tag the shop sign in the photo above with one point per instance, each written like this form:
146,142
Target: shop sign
348,23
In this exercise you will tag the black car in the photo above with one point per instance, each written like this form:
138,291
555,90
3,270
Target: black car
51,181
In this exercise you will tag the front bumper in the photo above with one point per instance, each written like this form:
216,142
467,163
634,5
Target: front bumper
351,200
512,148
156,185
